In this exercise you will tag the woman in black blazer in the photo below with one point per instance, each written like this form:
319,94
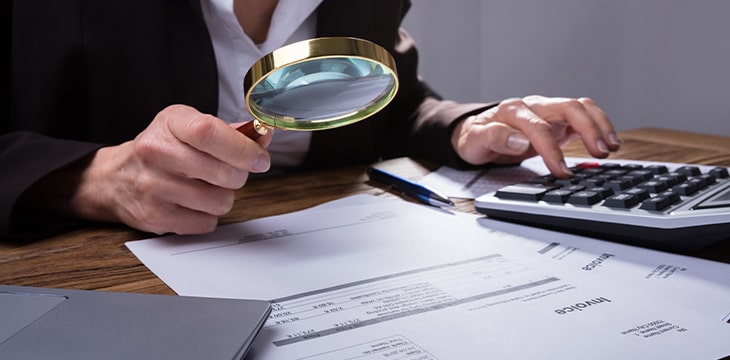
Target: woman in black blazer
112,104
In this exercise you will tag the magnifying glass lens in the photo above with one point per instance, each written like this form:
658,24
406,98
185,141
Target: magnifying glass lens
322,93
318,84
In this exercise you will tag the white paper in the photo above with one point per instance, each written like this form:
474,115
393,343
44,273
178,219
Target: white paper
396,280
702,285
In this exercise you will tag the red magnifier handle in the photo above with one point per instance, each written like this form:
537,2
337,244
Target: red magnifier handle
253,129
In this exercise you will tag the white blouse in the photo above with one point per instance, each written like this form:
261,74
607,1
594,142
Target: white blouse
235,52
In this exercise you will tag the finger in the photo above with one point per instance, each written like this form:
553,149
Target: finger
501,141
177,157
603,122
583,124
167,206
265,140
516,114
176,220
573,114
151,189
581,116
480,141
213,136
184,221
197,195
512,145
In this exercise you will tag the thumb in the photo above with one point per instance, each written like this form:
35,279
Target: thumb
506,140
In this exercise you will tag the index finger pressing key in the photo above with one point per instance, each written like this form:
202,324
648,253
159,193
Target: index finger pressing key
517,114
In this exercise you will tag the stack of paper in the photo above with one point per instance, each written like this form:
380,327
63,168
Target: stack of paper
367,278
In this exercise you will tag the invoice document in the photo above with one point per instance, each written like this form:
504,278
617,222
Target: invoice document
396,280
700,284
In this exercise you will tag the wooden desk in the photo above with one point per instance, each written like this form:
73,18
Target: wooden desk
96,258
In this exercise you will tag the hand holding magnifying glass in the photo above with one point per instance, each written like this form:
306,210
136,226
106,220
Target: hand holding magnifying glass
318,84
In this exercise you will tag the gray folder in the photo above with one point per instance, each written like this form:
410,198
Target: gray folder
47,323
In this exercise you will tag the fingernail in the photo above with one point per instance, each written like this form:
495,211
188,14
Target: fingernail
518,142
261,164
613,138
602,146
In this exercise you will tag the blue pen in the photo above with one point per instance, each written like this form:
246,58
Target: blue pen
416,190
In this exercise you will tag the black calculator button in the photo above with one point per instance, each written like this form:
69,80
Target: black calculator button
557,196
699,182
679,176
528,192
633,180
615,172
671,195
709,179
568,181
669,180
654,186
592,182
592,171
632,167
641,194
656,203
642,175
605,177
689,170
618,184
584,198
610,165
657,169
719,173
602,191
622,201
574,188
545,179
686,189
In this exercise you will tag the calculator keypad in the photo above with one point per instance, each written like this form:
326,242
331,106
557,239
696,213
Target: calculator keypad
617,186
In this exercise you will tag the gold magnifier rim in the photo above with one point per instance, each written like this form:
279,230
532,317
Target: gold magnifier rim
314,49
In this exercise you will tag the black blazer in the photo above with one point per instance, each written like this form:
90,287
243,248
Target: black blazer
84,74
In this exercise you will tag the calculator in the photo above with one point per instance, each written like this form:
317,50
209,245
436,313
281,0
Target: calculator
666,206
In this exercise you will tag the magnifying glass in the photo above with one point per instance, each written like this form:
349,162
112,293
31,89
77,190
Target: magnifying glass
318,84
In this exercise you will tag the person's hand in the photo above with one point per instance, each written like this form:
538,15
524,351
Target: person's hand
520,128
177,176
